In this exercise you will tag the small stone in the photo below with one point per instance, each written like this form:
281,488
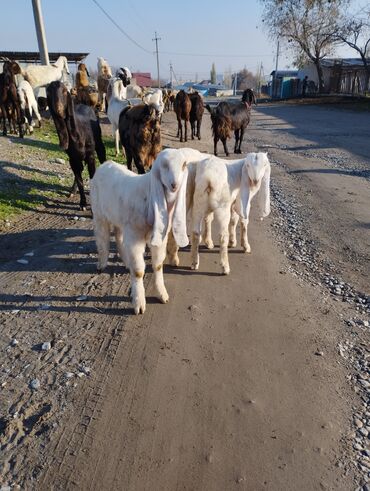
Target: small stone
358,423
59,161
46,346
30,254
81,298
15,311
35,384
358,447
364,431
22,261
44,306
69,375
82,219
319,353
14,342
85,370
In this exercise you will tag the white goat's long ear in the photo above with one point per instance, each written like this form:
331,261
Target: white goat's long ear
244,192
159,211
264,193
179,216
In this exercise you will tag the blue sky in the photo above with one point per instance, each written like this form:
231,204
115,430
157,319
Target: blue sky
228,34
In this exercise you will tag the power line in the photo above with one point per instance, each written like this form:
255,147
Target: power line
120,28
214,55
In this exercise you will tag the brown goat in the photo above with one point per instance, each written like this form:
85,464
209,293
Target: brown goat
82,75
182,108
140,134
196,113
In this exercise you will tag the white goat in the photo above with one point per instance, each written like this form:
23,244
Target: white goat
141,209
226,188
103,68
41,75
116,103
28,102
155,98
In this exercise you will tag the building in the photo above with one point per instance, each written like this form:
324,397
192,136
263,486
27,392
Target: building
341,75
144,79
284,84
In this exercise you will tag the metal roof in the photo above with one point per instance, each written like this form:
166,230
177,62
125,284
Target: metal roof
34,56
346,62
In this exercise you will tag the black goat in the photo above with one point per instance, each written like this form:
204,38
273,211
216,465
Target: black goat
196,113
9,102
227,117
79,133
140,134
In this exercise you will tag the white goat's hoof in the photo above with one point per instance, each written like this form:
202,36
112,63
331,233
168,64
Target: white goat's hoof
209,244
232,243
139,308
247,249
174,261
164,298
225,270
195,266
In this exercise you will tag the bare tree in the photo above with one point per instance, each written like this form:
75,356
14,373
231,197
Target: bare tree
310,26
246,80
355,32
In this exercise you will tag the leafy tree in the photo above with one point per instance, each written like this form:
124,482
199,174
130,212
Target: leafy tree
310,26
213,74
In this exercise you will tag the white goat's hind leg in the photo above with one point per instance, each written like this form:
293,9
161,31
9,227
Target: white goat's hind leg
195,240
158,257
134,253
119,243
223,218
234,219
244,235
172,250
116,136
208,231
102,238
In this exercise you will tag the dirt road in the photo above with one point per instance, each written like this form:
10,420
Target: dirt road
254,381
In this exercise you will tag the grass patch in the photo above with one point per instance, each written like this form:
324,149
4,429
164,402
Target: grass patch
26,184
26,193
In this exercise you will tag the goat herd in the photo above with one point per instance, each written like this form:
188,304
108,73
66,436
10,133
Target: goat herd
145,208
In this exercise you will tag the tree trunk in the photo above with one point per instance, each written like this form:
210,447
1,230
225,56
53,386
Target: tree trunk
320,75
367,72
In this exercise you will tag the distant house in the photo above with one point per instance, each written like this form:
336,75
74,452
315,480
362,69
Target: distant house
341,75
144,79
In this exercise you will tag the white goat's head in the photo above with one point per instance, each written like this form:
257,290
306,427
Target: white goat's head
255,176
62,63
168,197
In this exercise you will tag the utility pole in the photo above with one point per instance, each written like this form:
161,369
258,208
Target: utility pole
171,75
277,55
259,79
156,39
40,31
235,83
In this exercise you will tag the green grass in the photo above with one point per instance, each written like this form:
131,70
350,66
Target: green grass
30,187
